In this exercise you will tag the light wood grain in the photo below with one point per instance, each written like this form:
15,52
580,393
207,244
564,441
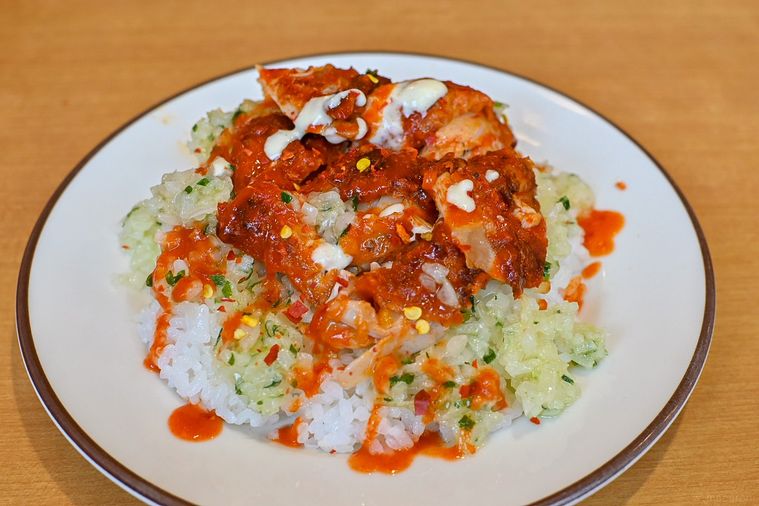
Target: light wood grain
681,77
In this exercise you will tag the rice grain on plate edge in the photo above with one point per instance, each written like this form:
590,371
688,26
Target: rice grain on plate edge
344,262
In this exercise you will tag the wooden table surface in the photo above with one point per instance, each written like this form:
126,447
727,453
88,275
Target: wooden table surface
681,77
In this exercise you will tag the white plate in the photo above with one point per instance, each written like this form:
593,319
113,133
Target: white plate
655,295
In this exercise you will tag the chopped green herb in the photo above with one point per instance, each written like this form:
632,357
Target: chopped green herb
172,278
388,399
236,114
218,338
203,182
466,423
564,202
260,402
286,197
226,289
499,324
567,379
449,384
498,104
547,270
355,202
467,314
406,378
149,280
407,361
293,349
372,72
195,127
344,232
218,279
132,211
474,304
271,331
231,360
238,382
274,383
489,356
188,189
231,167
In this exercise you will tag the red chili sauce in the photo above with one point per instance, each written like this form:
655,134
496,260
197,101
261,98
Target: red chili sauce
193,423
600,228
288,436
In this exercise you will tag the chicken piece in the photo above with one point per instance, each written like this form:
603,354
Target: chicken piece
489,205
466,136
385,187
435,118
259,223
382,229
243,147
369,173
432,275
291,89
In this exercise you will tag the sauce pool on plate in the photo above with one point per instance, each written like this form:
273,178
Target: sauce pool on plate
193,423
600,228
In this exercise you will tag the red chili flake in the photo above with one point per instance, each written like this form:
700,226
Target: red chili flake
342,282
296,311
202,171
272,355
475,365
332,452
421,402
226,299
125,246
231,255
465,390
535,420
197,150
221,309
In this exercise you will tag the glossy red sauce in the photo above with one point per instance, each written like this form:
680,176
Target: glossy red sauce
600,228
591,270
384,368
161,331
575,291
486,389
199,251
288,436
309,379
193,423
229,326
430,444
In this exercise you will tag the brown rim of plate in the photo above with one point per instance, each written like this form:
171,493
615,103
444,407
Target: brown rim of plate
140,486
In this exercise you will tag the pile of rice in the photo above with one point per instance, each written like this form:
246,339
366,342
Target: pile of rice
534,350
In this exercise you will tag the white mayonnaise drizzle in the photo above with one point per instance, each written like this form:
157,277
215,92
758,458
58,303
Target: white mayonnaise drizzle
491,175
314,113
331,256
406,98
457,195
